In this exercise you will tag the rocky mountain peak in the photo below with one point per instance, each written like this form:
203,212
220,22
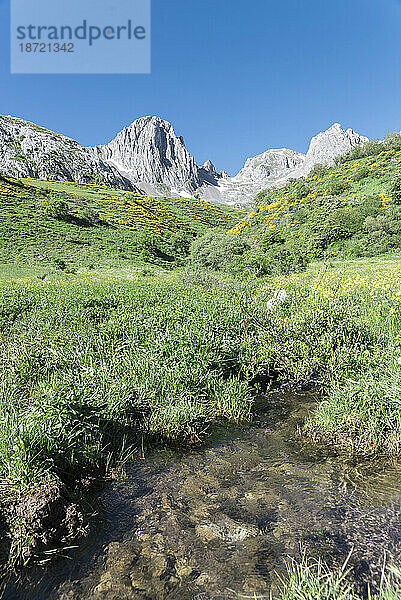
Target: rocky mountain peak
208,174
326,145
276,166
149,152
270,164
209,167
148,156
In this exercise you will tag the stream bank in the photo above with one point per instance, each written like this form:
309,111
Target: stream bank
219,521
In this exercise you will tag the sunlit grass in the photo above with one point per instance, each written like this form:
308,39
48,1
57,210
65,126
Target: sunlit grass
313,580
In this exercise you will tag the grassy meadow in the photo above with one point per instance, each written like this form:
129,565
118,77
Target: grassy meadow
44,222
87,358
126,320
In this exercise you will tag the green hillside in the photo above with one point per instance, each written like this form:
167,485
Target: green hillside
82,224
96,358
352,209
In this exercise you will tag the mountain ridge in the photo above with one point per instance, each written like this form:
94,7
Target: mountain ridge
148,156
28,150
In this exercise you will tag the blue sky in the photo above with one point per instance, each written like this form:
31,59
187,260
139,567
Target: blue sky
234,78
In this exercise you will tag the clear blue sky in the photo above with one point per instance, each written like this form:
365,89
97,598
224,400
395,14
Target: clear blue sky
234,78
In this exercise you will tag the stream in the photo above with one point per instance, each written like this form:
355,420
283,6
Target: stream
219,521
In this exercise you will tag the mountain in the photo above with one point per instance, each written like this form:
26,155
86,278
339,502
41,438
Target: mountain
274,168
209,175
148,156
153,157
325,146
257,174
27,150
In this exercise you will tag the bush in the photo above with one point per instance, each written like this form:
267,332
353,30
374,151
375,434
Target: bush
383,223
92,218
393,141
325,228
338,187
319,170
302,190
282,260
235,255
272,237
371,148
217,250
59,263
180,243
58,209
362,173
394,189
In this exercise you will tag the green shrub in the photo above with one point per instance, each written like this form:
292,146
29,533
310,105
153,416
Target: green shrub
58,209
272,236
361,173
319,170
282,260
394,189
393,141
181,243
217,250
328,224
302,190
338,187
371,148
92,217
59,263
383,223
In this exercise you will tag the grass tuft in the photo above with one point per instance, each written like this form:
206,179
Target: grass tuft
313,580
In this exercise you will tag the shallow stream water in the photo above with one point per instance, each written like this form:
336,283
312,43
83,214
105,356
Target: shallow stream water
219,522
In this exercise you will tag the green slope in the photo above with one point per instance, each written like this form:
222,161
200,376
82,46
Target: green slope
82,223
349,209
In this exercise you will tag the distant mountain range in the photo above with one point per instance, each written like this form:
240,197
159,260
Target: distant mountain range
148,156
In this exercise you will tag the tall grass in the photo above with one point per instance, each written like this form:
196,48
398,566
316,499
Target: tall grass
341,327
87,363
313,580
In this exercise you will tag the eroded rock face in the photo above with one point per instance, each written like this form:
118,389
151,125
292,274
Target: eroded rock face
148,156
258,173
325,146
27,150
208,174
274,168
149,152
271,164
